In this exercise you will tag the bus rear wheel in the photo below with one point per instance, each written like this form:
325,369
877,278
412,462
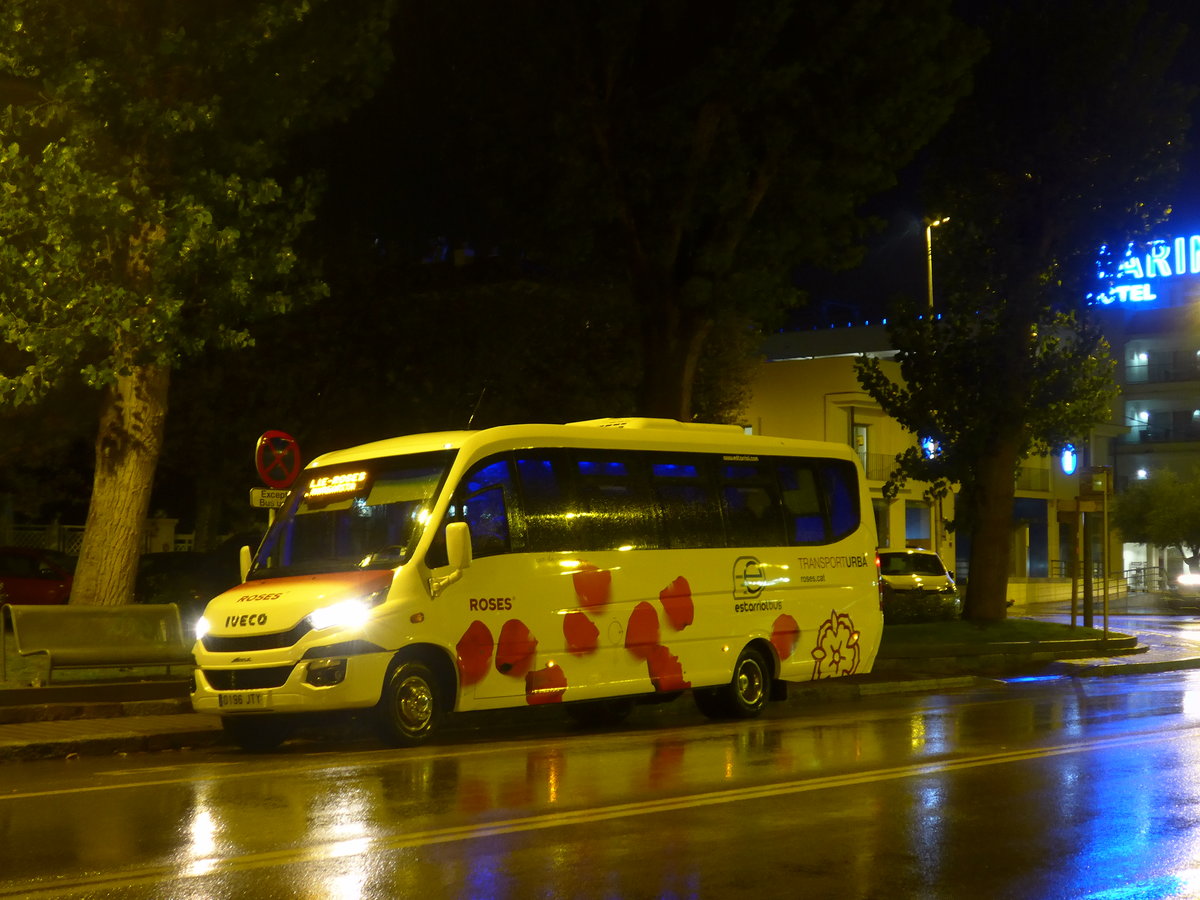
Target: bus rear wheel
411,706
746,694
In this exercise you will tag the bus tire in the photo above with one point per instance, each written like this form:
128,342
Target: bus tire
411,706
256,734
746,694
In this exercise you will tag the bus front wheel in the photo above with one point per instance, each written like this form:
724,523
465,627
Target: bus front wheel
411,706
745,695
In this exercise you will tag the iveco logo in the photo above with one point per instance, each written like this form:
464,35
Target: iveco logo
243,659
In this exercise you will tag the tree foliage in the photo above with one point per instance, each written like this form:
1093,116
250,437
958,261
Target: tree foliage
143,217
1034,175
950,384
701,150
1163,510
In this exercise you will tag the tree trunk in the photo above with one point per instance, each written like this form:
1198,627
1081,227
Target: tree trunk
127,449
671,347
991,535
208,510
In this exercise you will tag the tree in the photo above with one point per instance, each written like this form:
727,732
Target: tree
697,150
1163,510
1035,177
458,349
143,217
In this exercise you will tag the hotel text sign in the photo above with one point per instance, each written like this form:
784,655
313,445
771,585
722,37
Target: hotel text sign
1140,275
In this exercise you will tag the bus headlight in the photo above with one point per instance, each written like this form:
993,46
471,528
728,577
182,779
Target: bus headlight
201,628
351,613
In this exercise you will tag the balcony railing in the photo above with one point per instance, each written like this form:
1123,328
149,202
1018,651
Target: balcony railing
1184,369
1161,434
879,466
1030,478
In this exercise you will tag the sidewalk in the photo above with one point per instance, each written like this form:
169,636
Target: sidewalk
98,712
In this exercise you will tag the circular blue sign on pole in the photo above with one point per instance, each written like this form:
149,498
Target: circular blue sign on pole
1069,459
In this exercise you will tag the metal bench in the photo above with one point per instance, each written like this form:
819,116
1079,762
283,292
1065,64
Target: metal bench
94,637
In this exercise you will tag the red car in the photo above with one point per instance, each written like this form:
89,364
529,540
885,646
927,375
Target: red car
28,575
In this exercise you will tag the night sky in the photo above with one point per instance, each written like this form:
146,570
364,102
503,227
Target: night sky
894,264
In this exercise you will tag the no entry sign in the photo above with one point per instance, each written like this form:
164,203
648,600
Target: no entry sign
278,459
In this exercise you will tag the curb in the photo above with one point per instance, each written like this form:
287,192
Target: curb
56,712
1087,647
1101,668
69,729
69,739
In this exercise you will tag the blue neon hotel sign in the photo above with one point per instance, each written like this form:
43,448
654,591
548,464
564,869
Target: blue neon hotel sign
1140,277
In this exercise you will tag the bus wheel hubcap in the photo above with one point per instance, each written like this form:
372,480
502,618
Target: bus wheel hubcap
750,683
415,703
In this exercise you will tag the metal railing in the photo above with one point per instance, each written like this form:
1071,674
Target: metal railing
1179,368
69,538
1146,579
879,466
66,538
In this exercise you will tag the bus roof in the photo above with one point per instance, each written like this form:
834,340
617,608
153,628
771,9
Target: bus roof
631,433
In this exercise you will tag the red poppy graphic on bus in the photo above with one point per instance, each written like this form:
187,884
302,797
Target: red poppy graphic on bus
837,651
785,634
641,635
666,672
474,653
545,685
593,586
580,633
515,649
676,599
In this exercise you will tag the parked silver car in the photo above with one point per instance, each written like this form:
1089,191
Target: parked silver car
917,587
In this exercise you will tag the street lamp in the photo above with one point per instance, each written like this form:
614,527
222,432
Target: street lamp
931,224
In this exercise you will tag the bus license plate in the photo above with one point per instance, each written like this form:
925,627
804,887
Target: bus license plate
250,700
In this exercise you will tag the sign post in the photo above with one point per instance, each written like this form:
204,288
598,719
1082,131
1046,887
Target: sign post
277,458
1096,485
267,498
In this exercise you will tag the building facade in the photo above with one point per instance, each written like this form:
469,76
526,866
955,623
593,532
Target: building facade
807,388
1146,304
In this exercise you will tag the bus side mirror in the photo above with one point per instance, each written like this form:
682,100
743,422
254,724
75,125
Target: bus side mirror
458,555
458,545
244,562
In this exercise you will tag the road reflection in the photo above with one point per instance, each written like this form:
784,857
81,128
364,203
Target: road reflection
1063,789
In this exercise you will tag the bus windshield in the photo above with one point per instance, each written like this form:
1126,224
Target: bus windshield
362,515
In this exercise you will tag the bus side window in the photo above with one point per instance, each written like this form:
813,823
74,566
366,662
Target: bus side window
750,501
840,479
820,498
691,513
483,508
620,512
486,515
802,504
549,512
480,502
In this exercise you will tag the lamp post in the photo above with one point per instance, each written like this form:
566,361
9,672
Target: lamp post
931,224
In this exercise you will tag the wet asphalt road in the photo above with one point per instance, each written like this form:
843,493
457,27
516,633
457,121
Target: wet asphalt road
1071,788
